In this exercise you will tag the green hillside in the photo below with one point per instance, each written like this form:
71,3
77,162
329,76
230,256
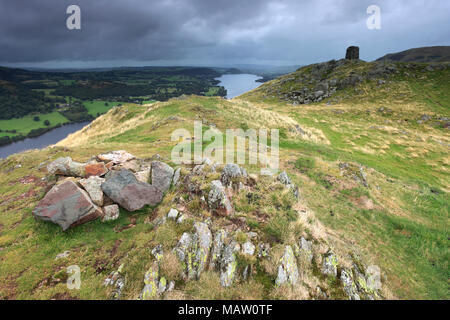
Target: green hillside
369,153
425,54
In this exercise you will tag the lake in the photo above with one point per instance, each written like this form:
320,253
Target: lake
42,141
237,84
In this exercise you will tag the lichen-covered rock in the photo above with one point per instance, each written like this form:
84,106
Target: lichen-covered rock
248,248
198,169
193,250
158,252
263,250
162,175
218,200
230,172
117,157
204,239
367,285
330,264
67,167
349,285
217,248
93,187
284,178
124,189
67,205
116,279
287,270
151,280
110,213
228,264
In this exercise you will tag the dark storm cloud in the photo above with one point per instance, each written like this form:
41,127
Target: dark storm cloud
213,31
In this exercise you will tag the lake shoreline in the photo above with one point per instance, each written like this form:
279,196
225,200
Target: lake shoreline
42,141
238,84
42,131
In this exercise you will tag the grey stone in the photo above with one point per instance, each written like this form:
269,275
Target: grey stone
63,255
287,270
284,178
67,205
193,250
67,167
230,172
124,189
218,200
111,213
349,285
176,176
93,187
173,214
228,264
117,157
248,248
330,264
217,248
162,175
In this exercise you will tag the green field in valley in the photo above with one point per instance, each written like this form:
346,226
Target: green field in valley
25,124
99,107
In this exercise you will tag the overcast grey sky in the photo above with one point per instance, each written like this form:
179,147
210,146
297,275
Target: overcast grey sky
212,32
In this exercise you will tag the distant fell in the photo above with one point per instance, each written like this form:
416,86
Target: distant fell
424,54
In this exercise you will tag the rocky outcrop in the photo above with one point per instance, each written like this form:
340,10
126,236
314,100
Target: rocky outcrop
230,173
176,176
210,235
218,200
304,248
349,285
284,179
287,270
330,264
67,205
193,250
116,280
124,189
228,263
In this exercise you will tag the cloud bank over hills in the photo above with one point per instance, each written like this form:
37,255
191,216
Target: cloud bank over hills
138,32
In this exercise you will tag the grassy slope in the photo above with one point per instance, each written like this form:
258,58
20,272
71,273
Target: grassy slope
405,232
425,54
